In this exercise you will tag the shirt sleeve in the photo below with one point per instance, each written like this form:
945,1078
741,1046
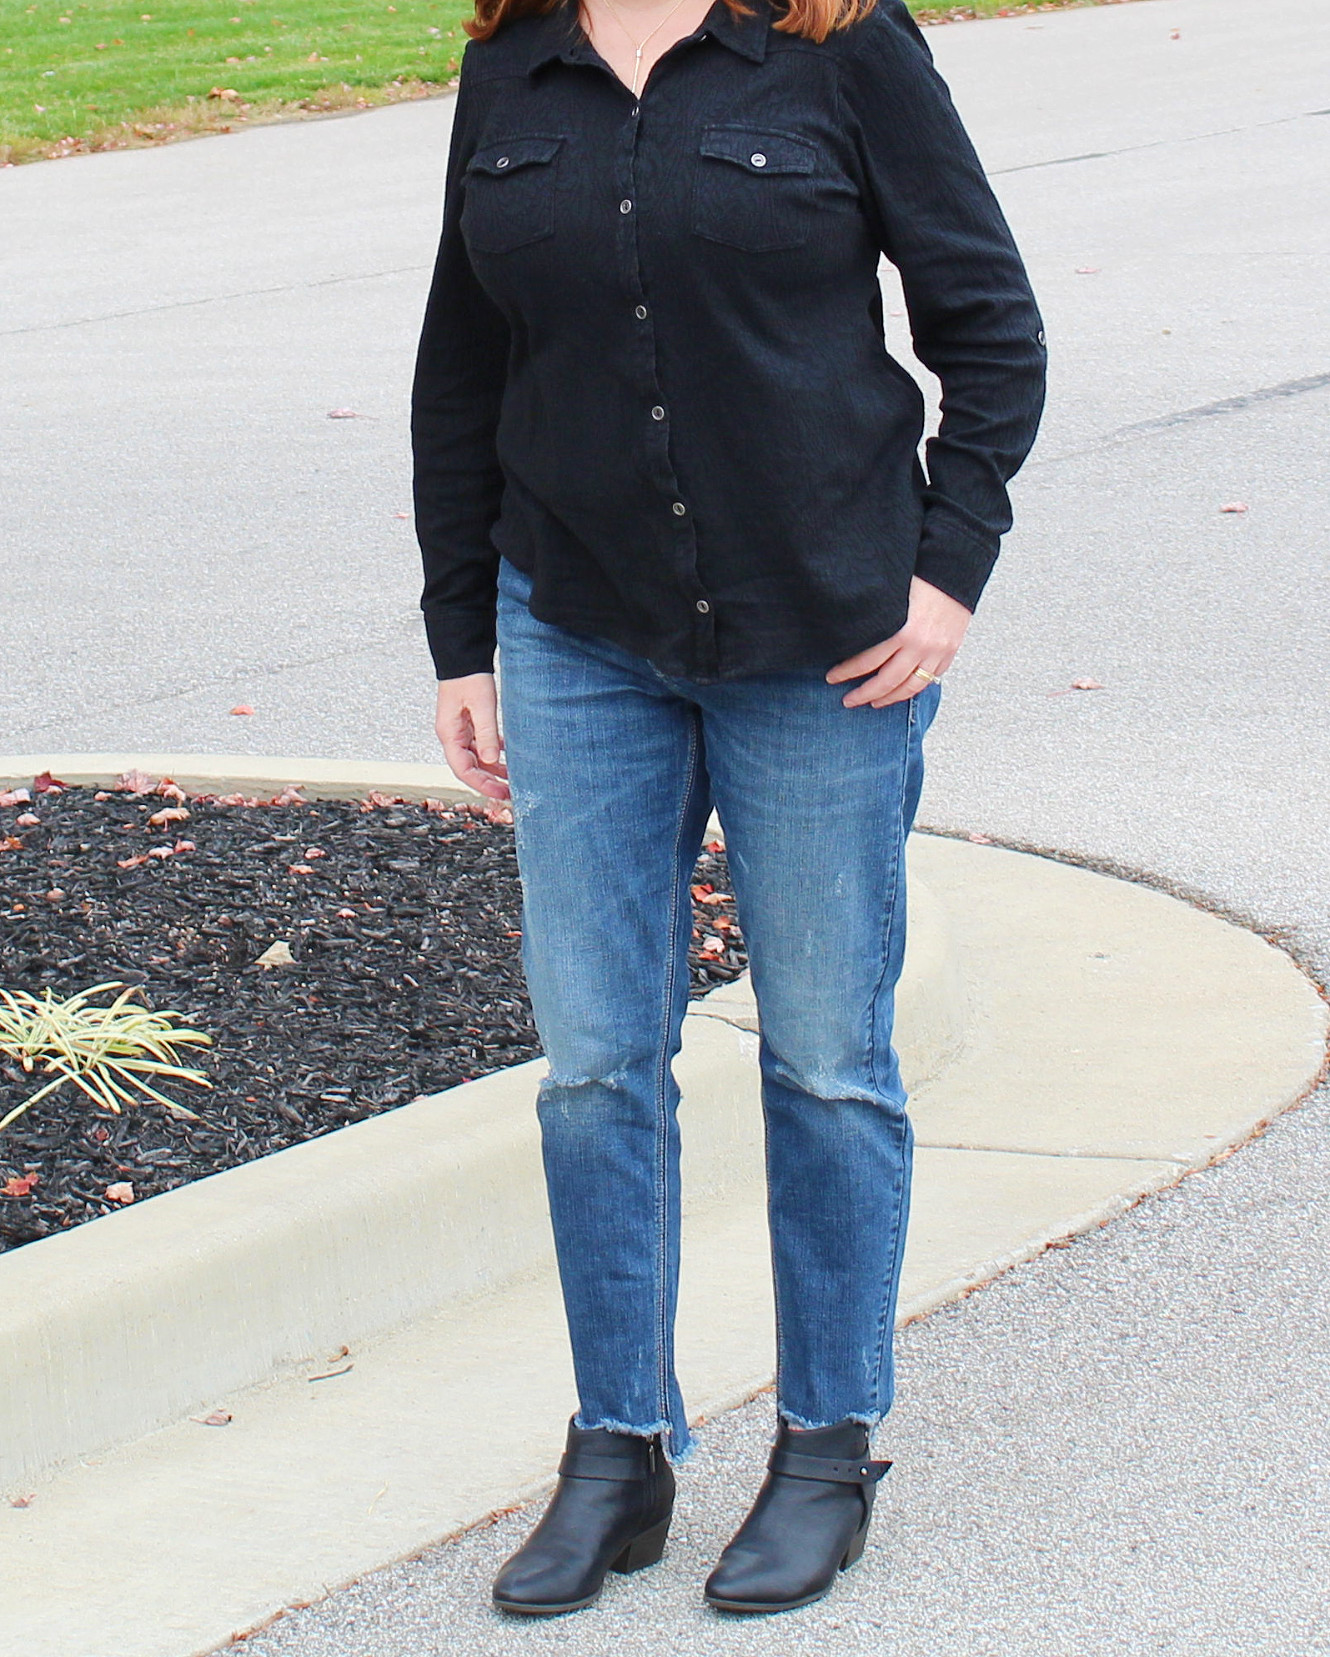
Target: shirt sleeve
973,317
458,387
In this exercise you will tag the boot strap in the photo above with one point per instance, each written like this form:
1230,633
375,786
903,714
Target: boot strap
586,1464
795,1466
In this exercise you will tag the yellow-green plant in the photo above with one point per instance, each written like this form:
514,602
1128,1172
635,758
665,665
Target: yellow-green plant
109,1052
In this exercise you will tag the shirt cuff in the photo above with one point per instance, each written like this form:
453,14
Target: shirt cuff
953,558
460,641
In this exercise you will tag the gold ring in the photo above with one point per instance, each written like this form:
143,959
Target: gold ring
932,678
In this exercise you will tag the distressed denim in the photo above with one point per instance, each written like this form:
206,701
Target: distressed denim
614,768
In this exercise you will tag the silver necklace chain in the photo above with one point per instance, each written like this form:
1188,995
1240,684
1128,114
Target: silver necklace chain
638,45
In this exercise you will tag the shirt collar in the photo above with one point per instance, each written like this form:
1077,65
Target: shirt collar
559,34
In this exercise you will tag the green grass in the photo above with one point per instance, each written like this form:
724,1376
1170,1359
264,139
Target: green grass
101,74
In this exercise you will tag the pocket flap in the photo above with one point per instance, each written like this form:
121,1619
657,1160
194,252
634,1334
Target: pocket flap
511,153
759,152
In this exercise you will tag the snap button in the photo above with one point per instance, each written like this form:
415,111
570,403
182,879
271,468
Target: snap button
703,606
502,161
639,311
758,159
625,206
637,109
1042,341
658,413
679,509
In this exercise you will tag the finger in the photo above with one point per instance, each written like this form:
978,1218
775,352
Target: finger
911,686
865,661
487,739
888,678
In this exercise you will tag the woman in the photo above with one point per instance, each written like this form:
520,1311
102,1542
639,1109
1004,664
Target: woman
664,460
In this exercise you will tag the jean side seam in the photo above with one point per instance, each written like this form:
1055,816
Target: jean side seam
898,881
662,1074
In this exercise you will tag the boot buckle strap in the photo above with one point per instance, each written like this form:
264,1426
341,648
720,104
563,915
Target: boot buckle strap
585,1464
795,1466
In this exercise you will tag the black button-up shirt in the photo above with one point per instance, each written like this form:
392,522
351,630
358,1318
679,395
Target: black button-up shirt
652,371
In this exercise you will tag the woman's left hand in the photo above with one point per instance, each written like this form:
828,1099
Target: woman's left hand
929,640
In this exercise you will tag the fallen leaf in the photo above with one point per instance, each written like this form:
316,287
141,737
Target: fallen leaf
169,814
132,862
315,851
224,92
28,819
277,955
1176,34
23,1501
346,914
56,895
242,710
100,795
15,796
1235,506
236,799
1086,684
342,414
161,851
121,1191
980,839
135,782
438,808
171,790
184,846
47,784
20,1185
290,795
300,868
218,1418
1087,270
374,800
401,514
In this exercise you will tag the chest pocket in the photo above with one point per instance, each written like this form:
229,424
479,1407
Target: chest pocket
754,188
509,189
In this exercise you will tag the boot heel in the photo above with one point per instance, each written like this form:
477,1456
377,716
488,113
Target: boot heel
643,1550
855,1550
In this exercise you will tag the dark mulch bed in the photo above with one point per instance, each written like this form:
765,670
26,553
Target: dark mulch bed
407,978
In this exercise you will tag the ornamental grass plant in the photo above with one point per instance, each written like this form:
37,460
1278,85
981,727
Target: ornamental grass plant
108,1052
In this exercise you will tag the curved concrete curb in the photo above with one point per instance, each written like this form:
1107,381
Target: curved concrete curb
1114,1037
131,1321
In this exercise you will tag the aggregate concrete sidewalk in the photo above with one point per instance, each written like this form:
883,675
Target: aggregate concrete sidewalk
1121,1446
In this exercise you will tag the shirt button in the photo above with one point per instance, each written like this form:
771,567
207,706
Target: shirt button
637,108
703,606
679,509
502,161
658,413
758,159
639,311
625,206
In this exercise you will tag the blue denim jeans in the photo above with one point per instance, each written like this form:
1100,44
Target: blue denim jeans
614,768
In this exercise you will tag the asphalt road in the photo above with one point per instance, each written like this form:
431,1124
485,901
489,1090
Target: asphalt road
1121,1447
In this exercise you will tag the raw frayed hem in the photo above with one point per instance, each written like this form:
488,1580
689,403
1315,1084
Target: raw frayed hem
679,1447
865,1418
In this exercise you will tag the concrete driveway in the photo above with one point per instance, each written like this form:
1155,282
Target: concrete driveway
1121,1447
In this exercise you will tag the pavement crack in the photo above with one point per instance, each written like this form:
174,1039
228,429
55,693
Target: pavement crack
214,299
1190,416
1155,144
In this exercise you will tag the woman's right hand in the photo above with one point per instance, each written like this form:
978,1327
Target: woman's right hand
466,722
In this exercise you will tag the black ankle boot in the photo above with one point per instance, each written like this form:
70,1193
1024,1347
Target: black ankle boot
610,1512
809,1521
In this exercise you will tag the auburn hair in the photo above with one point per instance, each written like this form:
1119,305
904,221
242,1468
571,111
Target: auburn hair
814,19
